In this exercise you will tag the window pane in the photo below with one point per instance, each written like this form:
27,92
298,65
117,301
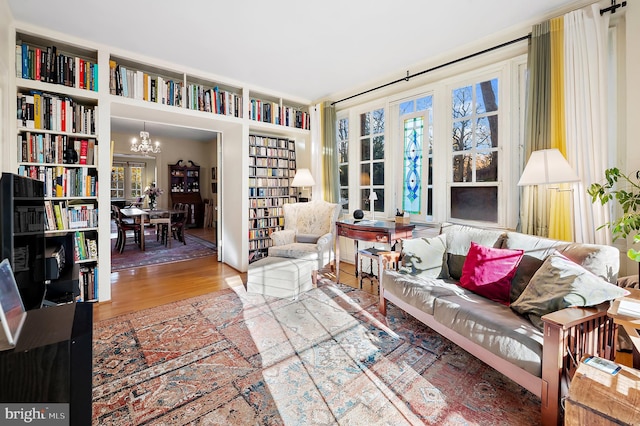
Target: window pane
487,93
378,173
478,203
424,103
487,132
365,124
378,148
344,198
463,168
343,151
344,175
378,121
378,205
365,149
406,107
365,174
462,102
342,130
487,167
462,136
365,204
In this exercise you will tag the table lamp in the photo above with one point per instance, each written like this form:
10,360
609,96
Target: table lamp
302,179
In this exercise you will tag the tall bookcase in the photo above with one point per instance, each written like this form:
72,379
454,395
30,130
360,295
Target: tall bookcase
184,180
57,143
272,165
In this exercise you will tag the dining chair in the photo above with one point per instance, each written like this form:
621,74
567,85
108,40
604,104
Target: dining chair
124,226
179,222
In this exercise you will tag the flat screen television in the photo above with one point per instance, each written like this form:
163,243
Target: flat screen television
22,238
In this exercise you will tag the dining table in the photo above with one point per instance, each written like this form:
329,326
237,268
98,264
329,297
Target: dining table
143,216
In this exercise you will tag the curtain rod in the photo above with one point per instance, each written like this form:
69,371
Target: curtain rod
409,76
613,7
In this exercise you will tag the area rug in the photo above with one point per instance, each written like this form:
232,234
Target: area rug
156,253
233,358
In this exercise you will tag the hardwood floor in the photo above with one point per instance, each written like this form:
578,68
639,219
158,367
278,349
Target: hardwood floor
146,287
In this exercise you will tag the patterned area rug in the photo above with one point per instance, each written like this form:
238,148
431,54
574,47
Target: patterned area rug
156,253
232,358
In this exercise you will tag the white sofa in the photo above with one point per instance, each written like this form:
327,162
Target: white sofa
533,350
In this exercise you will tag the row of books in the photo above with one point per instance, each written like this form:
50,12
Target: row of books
55,149
271,152
48,65
271,192
214,100
88,282
60,181
269,162
272,172
45,111
137,84
84,248
260,233
259,244
62,216
268,202
271,142
274,113
265,212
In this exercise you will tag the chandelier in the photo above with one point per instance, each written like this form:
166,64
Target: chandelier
145,146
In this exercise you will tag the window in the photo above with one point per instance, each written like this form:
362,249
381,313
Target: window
417,133
372,156
474,154
135,183
117,180
342,138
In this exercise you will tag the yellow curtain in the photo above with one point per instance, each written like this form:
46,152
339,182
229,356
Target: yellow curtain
560,204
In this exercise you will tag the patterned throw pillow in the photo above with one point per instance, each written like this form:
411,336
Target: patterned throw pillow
424,257
561,283
488,271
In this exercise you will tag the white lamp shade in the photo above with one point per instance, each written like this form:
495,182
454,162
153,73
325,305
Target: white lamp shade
303,178
373,196
547,166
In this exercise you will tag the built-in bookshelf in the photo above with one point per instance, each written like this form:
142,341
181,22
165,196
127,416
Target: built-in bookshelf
276,111
57,143
138,81
272,165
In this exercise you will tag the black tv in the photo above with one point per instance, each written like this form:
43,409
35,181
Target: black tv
22,237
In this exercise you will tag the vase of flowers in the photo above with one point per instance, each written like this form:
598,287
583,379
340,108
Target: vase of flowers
152,192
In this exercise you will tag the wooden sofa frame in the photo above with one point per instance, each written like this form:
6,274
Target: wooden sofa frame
568,335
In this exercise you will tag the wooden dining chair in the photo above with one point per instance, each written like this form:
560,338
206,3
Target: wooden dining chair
179,222
123,227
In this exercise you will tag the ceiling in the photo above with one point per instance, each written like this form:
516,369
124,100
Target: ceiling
306,50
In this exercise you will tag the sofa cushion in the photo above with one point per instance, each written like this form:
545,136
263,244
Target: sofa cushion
536,250
419,292
459,238
424,257
307,238
561,283
494,327
488,271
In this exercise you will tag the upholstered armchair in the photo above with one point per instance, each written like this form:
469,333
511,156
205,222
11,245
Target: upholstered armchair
309,232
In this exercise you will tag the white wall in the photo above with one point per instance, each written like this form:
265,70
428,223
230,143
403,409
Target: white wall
6,50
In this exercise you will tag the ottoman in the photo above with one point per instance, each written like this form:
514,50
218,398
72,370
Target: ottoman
281,276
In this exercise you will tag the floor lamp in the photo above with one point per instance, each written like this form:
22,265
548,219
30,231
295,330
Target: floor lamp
300,180
547,167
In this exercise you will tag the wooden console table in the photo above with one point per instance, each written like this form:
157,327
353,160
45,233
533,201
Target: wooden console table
369,230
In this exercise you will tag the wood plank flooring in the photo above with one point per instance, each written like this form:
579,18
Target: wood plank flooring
146,287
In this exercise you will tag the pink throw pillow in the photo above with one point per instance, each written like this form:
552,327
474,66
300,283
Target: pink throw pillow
488,271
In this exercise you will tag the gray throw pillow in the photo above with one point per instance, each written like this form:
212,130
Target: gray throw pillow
424,257
561,283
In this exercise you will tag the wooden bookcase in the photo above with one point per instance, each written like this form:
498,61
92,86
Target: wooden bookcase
57,143
184,182
272,165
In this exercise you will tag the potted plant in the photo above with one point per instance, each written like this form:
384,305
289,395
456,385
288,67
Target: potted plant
625,190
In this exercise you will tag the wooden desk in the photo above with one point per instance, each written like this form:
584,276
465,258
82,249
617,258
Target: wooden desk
369,230
631,324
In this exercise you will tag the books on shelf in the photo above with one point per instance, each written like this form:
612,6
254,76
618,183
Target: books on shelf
47,148
46,111
62,216
214,100
47,64
136,84
283,115
88,282
60,181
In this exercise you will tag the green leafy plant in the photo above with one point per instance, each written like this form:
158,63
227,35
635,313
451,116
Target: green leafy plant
625,190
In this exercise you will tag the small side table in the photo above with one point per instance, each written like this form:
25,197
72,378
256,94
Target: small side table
382,258
631,324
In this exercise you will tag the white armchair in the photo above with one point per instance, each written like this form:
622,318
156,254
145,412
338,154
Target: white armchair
309,232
